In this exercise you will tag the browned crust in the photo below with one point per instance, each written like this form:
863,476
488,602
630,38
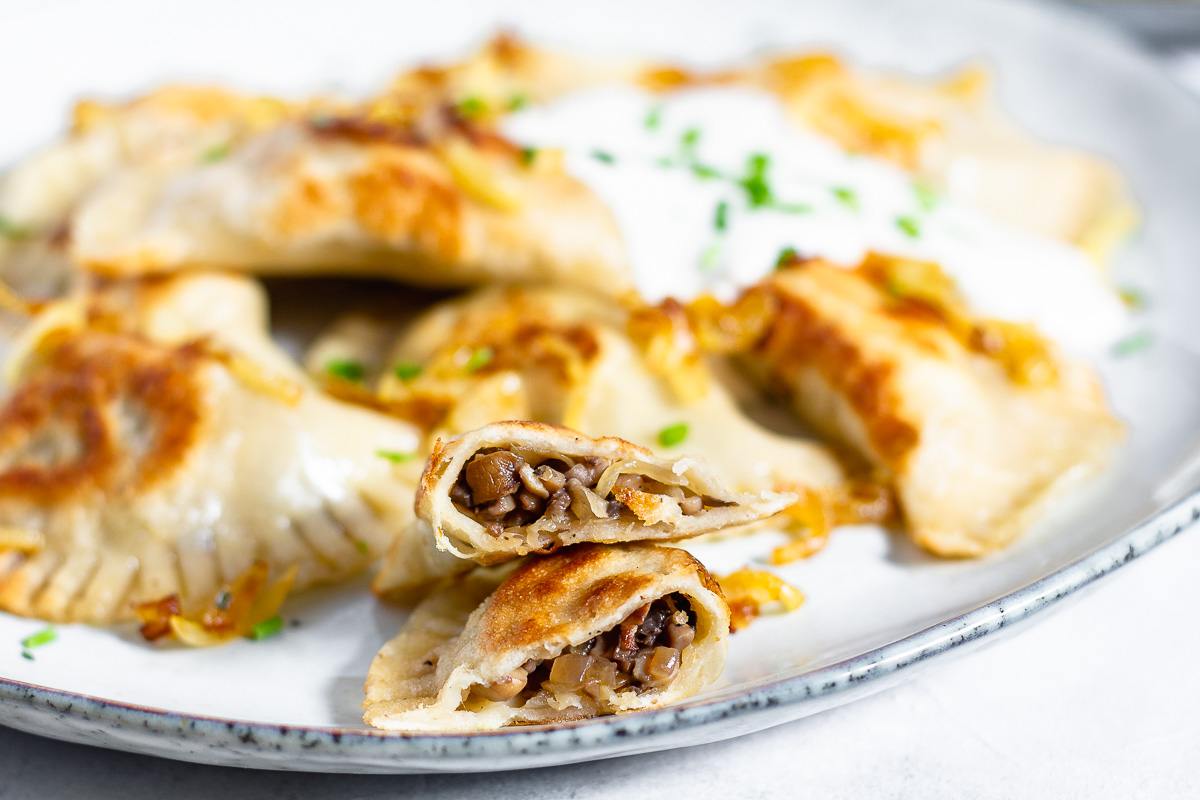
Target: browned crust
79,389
564,589
400,194
799,337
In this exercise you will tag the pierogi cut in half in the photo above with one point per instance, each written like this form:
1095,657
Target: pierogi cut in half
447,178
589,631
514,488
978,422
154,441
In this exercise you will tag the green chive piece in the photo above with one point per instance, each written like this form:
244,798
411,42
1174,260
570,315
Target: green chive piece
406,370
224,599
528,156
690,138
1132,344
758,191
396,457
654,118
267,628
480,358
787,255
909,225
721,221
673,434
362,546
215,153
518,101
471,107
705,172
793,208
927,196
1133,297
42,637
347,370
711,257
11,230
28,656
847,197
601,155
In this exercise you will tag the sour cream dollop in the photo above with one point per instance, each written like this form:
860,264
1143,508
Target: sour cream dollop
710,185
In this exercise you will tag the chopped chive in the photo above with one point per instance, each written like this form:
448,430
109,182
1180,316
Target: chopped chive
721,221
362,546
846,196
28,656
793,208
518,101
690,138
11,230
215,153
395,456
927,196
758,191
654,118
480,357
528,155
471,107
787,256
406,370
42,637
1132,344
673,434
910,226
711,257
601,155
224,599
1133,297
705,172
347,370
267,628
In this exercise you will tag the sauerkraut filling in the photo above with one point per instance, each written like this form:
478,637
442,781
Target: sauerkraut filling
644,653
502,489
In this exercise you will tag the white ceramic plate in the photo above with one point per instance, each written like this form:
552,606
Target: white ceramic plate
877,607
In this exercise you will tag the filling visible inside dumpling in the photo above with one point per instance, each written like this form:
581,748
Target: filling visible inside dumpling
644,653
502,489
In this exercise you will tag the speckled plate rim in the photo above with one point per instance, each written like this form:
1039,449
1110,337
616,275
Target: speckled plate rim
781,699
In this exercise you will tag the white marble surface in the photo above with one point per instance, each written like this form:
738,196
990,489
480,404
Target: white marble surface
1098,699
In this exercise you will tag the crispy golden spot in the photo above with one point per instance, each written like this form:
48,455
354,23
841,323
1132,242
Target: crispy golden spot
665,78
862,129
799,337
563,589
66,433
396,197
306,208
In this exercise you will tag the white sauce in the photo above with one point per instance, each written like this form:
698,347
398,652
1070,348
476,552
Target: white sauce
667,213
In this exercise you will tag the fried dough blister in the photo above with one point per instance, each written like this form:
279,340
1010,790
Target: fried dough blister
524,460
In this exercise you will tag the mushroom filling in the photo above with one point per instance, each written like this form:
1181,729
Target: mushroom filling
501,489
645,652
